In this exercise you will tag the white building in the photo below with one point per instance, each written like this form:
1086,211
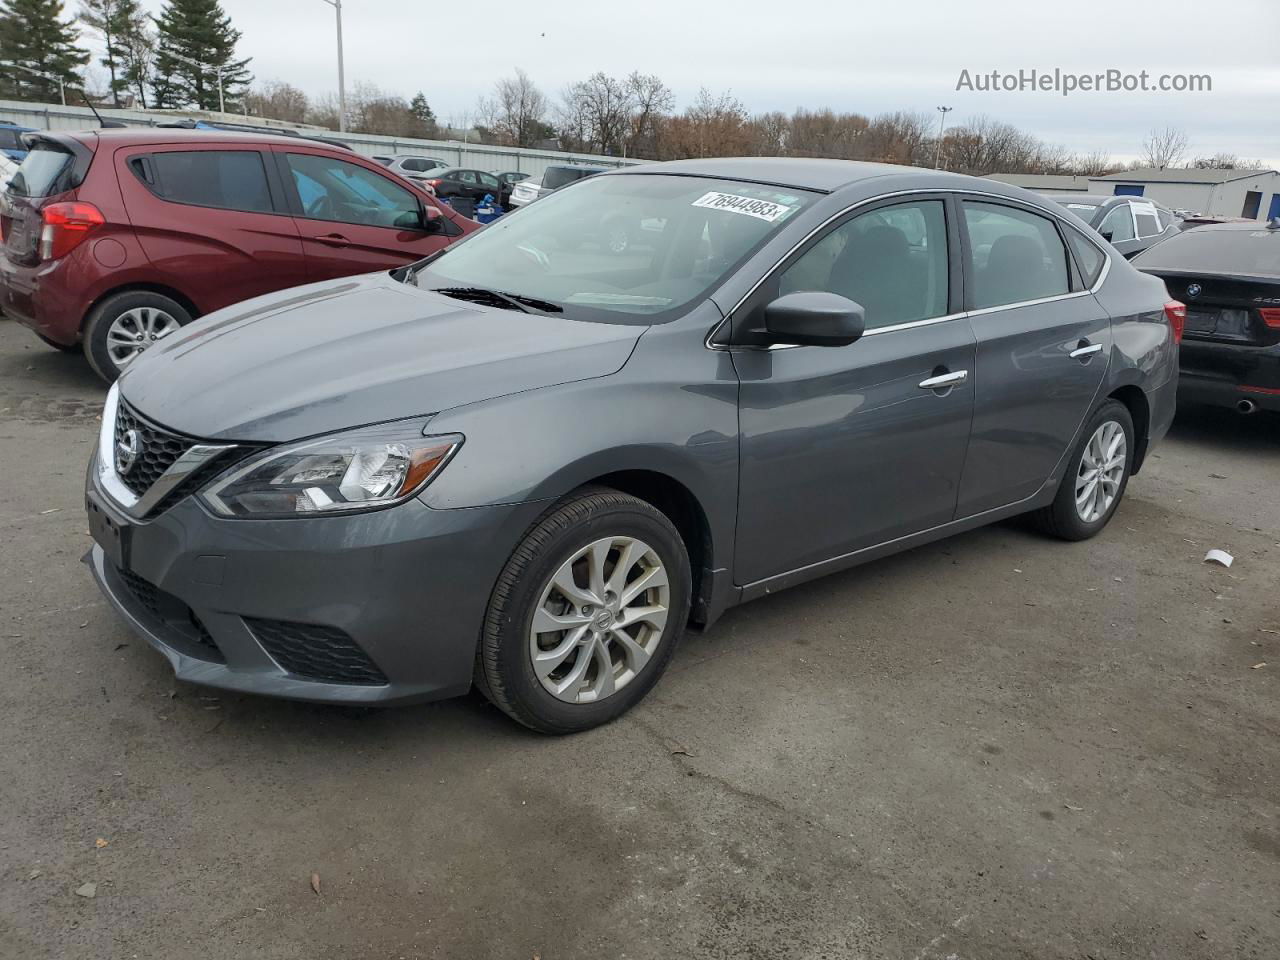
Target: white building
1254,194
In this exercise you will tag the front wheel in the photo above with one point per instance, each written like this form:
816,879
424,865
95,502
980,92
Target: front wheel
586,614
1096,477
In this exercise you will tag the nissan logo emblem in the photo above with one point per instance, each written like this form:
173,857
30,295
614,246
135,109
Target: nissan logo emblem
128,449
1193,290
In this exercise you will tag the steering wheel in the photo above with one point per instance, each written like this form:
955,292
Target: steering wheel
323,208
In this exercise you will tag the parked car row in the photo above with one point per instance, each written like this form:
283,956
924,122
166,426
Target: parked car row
115,238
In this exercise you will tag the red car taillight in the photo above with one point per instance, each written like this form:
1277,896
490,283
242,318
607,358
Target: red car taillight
65,227
1270,316
1176,313
435,183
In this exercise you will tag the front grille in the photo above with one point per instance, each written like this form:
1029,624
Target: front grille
314,652
175,614
159,449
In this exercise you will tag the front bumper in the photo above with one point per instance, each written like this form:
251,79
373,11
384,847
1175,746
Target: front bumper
404,590
1223,374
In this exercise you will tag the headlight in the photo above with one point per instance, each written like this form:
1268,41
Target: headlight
361,470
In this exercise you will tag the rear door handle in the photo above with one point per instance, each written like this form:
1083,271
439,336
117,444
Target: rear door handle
333,240
944,380
1085,350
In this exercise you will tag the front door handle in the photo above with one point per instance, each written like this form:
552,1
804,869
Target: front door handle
944,381
333,240
1086,349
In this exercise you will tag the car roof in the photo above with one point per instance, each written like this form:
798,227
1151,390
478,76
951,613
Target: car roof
804,173
142,136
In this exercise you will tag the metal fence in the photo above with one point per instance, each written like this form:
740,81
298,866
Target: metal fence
52,116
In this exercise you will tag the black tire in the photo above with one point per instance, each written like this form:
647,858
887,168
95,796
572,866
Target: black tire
1061,518
101,317
64,347
504,670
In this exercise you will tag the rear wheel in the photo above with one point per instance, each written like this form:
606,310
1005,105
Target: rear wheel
1096,476
124,325
586,614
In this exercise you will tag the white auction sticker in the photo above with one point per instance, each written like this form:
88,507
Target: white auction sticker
761,209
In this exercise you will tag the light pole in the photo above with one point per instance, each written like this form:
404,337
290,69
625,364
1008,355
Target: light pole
342,85
216,68
62,87
942,124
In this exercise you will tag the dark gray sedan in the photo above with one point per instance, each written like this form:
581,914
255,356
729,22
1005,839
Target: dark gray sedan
527,465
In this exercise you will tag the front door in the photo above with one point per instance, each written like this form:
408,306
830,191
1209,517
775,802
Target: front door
847,447
1043,348
352,218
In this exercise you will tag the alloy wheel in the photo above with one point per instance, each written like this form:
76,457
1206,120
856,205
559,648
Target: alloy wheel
1101,471
135,330
600,619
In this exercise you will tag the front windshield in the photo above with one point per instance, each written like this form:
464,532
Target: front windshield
629,248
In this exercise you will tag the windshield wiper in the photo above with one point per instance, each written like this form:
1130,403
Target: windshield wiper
496,298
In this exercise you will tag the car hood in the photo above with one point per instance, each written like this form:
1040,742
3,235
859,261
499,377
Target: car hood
356,351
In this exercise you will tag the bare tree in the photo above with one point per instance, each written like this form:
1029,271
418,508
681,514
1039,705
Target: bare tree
516,113
277,100
651,99
1164,148
1226,161
595,114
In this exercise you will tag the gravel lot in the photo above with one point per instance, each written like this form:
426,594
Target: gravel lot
996,746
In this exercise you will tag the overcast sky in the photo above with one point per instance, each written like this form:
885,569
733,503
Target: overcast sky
868,57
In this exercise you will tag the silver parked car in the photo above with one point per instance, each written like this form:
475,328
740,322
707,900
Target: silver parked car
410,165
552,179
528,465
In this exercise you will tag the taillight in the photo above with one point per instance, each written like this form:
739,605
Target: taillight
435,183
1270,316
1176,313
65,227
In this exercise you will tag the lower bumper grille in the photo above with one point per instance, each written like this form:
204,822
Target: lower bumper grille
175,614
315,652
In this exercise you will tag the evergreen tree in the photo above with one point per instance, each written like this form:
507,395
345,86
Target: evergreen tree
197,30
424,118
34,35
118,23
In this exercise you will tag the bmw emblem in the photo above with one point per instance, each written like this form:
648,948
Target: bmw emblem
128,449
1193,290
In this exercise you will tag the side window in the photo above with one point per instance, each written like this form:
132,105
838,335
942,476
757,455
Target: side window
892,261
415,165
1088,257
1119,223
228,179
1015,255
331,189
466,176
1147,218
489,182
1166,218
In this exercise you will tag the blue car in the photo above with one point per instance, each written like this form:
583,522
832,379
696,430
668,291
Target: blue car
11,144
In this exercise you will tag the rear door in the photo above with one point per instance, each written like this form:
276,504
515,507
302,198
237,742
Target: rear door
847,447
353,218
1043,348
212,220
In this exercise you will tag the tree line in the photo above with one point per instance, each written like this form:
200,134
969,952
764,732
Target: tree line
172,60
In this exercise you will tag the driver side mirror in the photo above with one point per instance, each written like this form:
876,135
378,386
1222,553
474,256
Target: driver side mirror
431,219
1107,235
814,318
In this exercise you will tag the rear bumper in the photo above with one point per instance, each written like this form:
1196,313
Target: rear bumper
403,590
45,298
1223,374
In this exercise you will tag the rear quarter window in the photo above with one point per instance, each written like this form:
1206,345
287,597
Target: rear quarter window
226,179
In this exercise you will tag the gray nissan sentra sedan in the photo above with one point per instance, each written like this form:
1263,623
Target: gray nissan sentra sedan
527,463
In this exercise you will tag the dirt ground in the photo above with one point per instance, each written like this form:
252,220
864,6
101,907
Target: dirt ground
997,746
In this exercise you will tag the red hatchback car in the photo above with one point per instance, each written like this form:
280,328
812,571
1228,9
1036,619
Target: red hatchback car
114,238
